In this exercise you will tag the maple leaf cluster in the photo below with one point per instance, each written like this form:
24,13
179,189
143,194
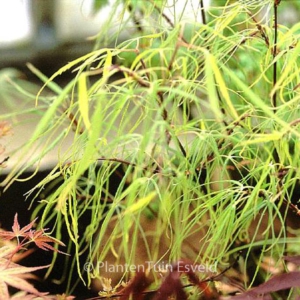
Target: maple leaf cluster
15,275
27,235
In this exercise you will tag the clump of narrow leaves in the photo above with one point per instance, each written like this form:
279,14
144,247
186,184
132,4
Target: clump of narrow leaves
15,275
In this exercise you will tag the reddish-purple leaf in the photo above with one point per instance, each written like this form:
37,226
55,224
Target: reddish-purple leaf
135,287
280,282
41,240
293,259
171,286
251,296
275,284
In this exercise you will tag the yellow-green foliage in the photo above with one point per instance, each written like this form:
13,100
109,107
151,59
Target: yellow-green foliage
222,72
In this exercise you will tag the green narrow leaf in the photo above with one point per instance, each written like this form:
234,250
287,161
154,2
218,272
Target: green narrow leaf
107,65
222,86
258,102
17,170
52,85
140,204
83,100
88,58
211,89
288,70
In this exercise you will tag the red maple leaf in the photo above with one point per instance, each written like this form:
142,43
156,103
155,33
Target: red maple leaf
42,240
16,230
39,237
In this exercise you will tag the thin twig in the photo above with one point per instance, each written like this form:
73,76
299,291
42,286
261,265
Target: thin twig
170,66
221,142
202,9
260,29
158,9
4,161
274,97
132,74
125,162
146,84
119,160
165,117
136,21
144,65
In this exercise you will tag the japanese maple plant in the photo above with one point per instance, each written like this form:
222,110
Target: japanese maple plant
199,121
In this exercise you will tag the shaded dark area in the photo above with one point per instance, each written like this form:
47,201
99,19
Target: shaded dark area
13,201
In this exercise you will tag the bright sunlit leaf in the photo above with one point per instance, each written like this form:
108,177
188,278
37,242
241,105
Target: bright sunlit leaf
140,204
83,100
